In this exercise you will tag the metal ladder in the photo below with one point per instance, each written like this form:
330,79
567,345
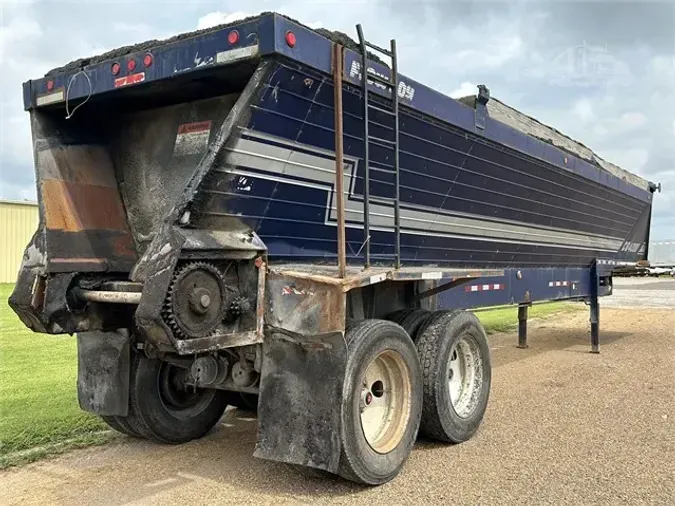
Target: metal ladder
392,86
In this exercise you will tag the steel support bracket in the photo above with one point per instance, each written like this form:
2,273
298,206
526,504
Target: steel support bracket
481,112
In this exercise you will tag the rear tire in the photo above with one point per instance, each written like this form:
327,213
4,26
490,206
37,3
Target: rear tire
382,402
119,424
455,357
172,413
243,401
397,316
132,424
414,320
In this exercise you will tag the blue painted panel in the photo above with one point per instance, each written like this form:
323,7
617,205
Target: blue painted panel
454,173
169,61
295,106
310,49
198,53
532,285
291,221
435,104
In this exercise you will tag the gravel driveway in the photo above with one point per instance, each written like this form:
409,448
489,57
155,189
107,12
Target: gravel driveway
641,292
563,427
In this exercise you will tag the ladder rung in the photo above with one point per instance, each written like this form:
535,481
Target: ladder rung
378,48
385,170
383,200
385,111
384,141
380,80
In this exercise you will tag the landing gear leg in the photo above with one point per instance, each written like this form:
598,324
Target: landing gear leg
595,310
595,324
522,326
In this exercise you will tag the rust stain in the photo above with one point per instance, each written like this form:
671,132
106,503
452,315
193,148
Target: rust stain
85,164
38,293
124,246
74,207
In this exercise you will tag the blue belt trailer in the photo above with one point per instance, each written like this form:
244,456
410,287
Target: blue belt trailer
264,216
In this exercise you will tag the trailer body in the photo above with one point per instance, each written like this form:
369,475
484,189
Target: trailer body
221,162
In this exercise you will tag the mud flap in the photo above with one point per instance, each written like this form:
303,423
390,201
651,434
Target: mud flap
300,399
103,372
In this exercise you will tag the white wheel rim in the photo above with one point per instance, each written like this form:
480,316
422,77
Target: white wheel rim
465,376
385,401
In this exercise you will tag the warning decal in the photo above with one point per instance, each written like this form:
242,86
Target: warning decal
192,138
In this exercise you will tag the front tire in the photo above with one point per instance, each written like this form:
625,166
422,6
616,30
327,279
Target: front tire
455,357
172,411
382,402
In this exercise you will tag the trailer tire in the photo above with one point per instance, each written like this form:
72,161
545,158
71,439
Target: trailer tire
374,447
171,414
398,316
133,418
414,320
120,424
243,401
455,396
434,317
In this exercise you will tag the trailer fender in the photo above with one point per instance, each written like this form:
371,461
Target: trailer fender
300,398
103,372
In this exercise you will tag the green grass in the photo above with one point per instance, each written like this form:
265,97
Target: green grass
506,319
38,392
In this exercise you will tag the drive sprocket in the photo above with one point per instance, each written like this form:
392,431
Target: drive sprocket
196,301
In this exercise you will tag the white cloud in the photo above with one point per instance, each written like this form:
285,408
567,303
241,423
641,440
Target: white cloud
17,31
494,53
219,18
136,29
630,120
583,109
463,49
465,89
663,66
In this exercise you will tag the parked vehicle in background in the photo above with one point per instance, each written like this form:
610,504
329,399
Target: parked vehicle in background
658,271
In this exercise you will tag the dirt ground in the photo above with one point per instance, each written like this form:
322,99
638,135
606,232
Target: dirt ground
563,427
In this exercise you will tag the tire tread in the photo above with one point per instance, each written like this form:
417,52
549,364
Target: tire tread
347,468
429,344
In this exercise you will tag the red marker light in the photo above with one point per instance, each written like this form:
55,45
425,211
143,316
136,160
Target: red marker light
147,60
233,37
115,69
290,39
131,65
50,85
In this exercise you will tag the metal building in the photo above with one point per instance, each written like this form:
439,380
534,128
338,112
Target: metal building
18,221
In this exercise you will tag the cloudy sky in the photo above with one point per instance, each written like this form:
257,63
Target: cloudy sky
602,72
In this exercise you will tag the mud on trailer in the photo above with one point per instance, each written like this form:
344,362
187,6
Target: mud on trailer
237,217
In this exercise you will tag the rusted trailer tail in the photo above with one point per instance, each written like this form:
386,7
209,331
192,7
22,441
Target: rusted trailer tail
238,217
